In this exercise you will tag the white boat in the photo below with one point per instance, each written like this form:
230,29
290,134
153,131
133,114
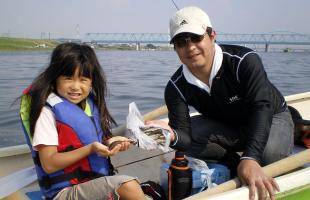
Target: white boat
17,174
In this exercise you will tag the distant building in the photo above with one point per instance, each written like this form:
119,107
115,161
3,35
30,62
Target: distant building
41,46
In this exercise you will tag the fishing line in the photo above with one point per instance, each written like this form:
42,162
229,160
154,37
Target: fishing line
175,5
144,159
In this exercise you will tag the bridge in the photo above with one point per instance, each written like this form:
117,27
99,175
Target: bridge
267,39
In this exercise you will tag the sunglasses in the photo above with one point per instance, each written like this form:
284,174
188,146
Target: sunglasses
181,40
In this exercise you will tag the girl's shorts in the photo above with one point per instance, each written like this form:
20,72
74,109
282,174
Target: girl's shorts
101,188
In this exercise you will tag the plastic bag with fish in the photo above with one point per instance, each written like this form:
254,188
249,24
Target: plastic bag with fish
148,137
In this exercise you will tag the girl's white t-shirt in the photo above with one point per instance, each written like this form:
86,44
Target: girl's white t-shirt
45,131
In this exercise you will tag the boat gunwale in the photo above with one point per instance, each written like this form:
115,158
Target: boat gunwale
286,183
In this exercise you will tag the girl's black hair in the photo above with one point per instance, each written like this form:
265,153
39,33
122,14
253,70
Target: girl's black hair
65,60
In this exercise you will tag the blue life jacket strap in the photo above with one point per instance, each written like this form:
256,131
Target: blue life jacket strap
78,173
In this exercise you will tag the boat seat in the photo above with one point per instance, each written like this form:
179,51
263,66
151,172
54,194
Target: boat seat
34,195
9,184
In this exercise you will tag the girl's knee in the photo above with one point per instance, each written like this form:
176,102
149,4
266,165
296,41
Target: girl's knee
131,185
131,190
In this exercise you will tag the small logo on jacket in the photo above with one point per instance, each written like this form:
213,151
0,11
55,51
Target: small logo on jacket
183,22
234,99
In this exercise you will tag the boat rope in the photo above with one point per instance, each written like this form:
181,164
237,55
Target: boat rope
144,159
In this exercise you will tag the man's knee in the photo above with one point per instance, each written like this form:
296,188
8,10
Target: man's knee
281,139
273,153
270,157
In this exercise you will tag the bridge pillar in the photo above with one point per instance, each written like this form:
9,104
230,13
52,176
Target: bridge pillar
138,47
266,47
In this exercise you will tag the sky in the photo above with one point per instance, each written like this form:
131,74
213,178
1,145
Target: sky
75,18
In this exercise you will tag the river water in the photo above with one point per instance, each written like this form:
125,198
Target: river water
138,76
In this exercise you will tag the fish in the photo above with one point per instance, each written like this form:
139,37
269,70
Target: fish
152,130
155,133
113,144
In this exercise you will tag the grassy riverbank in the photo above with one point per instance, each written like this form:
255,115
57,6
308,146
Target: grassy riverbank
27,44
23,44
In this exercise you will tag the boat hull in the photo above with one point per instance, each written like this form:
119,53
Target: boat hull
135,162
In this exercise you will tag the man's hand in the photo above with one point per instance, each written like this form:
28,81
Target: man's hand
251,174
162,124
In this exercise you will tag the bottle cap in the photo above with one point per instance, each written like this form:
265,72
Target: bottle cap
179,160
179,154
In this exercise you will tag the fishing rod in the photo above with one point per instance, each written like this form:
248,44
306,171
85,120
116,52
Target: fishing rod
175,5
164,153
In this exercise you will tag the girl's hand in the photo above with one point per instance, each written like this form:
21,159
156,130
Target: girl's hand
120,141
103,150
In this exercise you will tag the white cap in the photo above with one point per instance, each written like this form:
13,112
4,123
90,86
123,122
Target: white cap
191,20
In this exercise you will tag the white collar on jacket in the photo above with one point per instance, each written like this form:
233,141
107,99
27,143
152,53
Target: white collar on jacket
217,62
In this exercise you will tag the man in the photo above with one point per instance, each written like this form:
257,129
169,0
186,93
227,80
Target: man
241,111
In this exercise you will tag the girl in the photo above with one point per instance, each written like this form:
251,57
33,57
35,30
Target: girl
67,125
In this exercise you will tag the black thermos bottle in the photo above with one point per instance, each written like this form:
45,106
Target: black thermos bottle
179,177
